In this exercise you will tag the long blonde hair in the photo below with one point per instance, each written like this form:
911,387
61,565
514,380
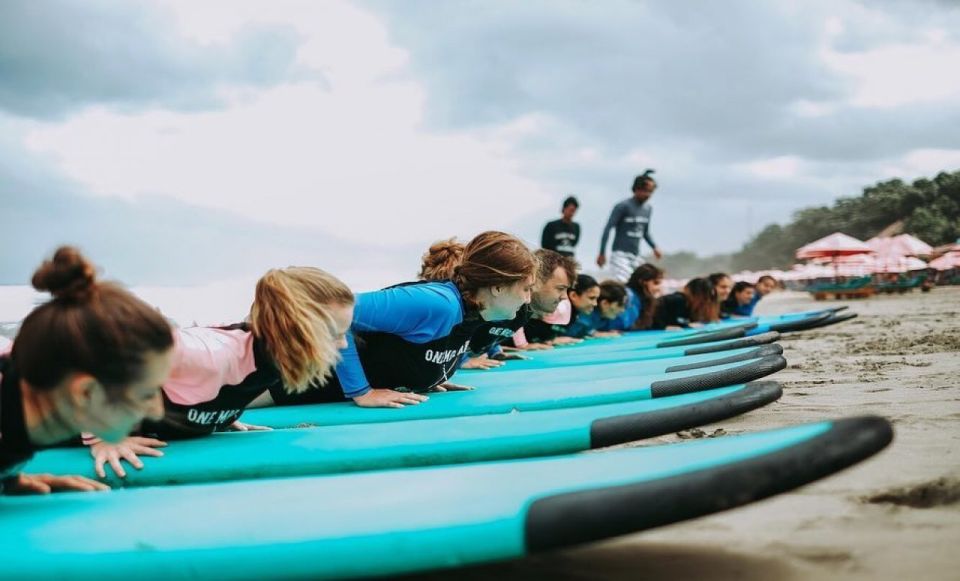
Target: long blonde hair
291,314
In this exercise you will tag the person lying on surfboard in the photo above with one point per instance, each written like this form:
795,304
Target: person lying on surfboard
611,299
741,297
766,284
642,293
437,264
90,359
722,283
297,325
691,307
583,297
411,338
549,307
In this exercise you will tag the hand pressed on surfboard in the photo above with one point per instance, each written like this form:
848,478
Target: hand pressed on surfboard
448,386
566,341
536,347
481,362
609,334
512,356
47,483
128,450
388,398
242,427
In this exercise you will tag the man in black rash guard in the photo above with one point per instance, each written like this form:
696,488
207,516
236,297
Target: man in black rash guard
562,235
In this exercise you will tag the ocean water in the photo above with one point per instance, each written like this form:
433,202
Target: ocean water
220,302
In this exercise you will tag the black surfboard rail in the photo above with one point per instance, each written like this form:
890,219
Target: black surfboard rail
708,337
584,516
750,371
741,343
839,318
755,353
631,427
800,324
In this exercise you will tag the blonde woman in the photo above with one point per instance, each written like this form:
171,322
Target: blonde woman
297,325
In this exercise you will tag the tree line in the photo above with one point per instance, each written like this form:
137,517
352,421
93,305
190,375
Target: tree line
928,208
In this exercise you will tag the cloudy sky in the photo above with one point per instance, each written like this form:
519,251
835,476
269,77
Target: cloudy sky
182,141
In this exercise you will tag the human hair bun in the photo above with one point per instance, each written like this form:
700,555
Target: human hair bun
68,275
444,250
440,260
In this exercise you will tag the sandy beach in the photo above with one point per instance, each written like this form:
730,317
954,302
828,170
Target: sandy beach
895,516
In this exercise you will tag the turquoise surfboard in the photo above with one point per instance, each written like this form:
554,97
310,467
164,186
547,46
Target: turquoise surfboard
399,521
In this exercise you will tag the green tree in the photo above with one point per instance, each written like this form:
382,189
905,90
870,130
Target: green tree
929,209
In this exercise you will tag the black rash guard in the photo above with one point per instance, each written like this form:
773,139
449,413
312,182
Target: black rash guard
200,419
561,237
491,334
672,310
15,445
392,361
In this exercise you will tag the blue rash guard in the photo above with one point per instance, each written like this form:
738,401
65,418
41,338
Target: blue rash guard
625,320
747,309
581,325
424,317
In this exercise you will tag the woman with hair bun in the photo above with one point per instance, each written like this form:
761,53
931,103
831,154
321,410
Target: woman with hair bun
413,336
90,359
289,344
440,260
437,264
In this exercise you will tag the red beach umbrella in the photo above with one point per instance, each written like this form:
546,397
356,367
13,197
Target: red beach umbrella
902,245
948,261
836,244
896,263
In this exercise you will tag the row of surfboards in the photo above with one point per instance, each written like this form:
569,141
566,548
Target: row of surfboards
467,477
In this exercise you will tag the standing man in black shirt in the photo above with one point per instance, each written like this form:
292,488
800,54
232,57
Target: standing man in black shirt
562,235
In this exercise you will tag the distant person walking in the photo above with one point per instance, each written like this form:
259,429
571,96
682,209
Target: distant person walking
562,235
631,220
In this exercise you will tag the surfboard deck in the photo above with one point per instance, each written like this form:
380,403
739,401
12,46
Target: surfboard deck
399,521
531,396
351,448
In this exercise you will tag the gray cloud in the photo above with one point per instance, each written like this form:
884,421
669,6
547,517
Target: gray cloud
57,56
721,78
698,86
625,73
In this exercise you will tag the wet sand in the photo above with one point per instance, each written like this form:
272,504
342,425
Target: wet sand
895,516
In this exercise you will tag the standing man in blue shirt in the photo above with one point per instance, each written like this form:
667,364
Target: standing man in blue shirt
631,220
562,235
